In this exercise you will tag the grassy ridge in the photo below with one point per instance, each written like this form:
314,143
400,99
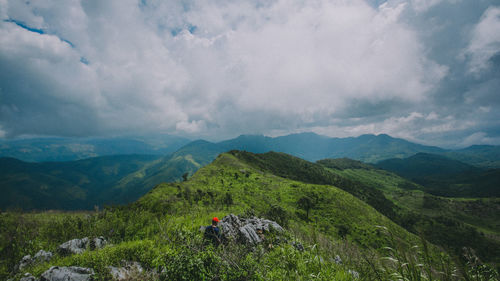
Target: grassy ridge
160,230
450,222
442,176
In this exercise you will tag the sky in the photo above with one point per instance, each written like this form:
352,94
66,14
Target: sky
424,70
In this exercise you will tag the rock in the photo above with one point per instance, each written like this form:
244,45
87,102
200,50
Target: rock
75,246
42,256
249,231
78,246
25,262
250,235
298,246
354,273
98,243
72,273
125,273
28,277
338,260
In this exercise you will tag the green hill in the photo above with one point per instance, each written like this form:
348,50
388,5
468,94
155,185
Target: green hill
160,230
449,222
70,149
72,185
485,156
442,176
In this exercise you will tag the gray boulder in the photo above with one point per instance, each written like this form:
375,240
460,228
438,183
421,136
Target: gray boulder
98,243
78,246
250,231
72,273
28,277
354,273
25,262
130,270
338,260
42,256
75,246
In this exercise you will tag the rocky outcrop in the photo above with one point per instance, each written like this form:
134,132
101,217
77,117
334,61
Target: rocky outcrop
250,231
74,246
25,262
72,273
41,256
78,246
98,243
130,270
28,277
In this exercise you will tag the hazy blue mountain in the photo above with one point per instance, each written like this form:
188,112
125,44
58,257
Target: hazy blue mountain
313,147
67,149
446,177
487,156
65,185
425,164
121,179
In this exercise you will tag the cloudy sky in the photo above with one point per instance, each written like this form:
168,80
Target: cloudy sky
424,70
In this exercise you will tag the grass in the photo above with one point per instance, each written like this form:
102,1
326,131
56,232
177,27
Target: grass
161,231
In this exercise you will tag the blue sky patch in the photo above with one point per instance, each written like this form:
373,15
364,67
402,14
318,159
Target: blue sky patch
23,25
36,30
84,60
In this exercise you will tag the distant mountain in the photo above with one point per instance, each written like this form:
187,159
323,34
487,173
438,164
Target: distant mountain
308,146
149,171
312,147
71,185
68,149
486,156
449,222
425,164
446,177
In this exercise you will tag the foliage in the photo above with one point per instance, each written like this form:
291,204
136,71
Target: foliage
161,231
443,176
449,222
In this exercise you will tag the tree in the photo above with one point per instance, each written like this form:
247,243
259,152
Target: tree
306,204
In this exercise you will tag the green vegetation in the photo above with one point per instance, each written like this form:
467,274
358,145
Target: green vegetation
485,156
450,222
317,203
160,231
73,185
115,179
445,177
71,149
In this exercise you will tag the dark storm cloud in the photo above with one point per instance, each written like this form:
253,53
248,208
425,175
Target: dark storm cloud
418,69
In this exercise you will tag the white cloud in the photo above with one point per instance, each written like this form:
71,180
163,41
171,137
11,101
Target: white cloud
485,41
219,68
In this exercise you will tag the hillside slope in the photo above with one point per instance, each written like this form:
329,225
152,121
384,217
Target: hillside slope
71,149
160,231
234,182
71,185
446,177
449,222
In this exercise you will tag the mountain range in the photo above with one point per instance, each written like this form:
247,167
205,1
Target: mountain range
379,224
308,146
443,176
69,149
117,179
